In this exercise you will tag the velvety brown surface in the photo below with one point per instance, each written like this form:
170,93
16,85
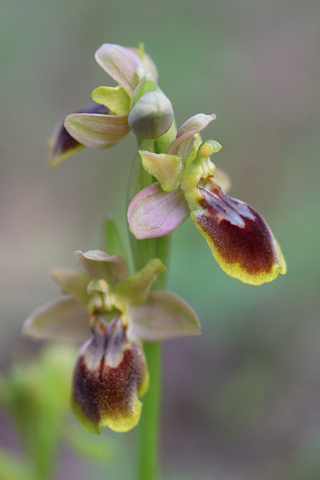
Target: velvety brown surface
251,244
108,391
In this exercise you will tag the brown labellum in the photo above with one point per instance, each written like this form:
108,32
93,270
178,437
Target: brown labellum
109,377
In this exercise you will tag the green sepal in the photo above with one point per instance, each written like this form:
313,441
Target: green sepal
200,168
97,131
167,169
65,319
99,264
162,317
115,98
197,140
120,64
136,289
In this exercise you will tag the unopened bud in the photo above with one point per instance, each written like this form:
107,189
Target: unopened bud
151,116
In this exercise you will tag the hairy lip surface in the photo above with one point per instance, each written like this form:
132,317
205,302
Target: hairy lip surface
239,233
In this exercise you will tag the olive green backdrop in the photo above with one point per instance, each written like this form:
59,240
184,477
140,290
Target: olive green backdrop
241,401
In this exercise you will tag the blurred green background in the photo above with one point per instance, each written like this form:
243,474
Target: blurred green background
241,401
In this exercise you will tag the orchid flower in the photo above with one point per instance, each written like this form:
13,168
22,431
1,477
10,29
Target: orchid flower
239,238
112,313
136,103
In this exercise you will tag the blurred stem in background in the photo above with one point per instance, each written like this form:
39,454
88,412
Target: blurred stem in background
35,395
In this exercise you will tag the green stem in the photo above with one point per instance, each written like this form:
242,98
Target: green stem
142,251
149,421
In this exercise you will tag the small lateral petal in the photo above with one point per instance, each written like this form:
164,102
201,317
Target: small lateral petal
99,264
155,213
115,98
64,319
240,239
97,131
72,282
185,133
162,317
136,289
167,169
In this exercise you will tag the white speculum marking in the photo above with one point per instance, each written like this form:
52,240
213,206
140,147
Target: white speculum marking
228,208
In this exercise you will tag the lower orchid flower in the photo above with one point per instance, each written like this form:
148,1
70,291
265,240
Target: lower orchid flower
238,236
114,313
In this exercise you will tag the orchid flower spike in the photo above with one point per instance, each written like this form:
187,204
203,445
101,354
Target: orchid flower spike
112,313
136,103
188,182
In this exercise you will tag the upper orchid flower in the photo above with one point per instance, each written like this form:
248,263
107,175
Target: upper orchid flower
239,238
113,312
136,103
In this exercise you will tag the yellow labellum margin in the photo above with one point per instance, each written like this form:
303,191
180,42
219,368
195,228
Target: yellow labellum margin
238,236
248,253
109,378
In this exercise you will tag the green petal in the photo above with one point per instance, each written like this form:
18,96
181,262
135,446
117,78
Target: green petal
99,264
136,289
167,169
64,319
72,282
164,316
97,131
115,98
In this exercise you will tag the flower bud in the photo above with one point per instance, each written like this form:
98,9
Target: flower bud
151,116
109,377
